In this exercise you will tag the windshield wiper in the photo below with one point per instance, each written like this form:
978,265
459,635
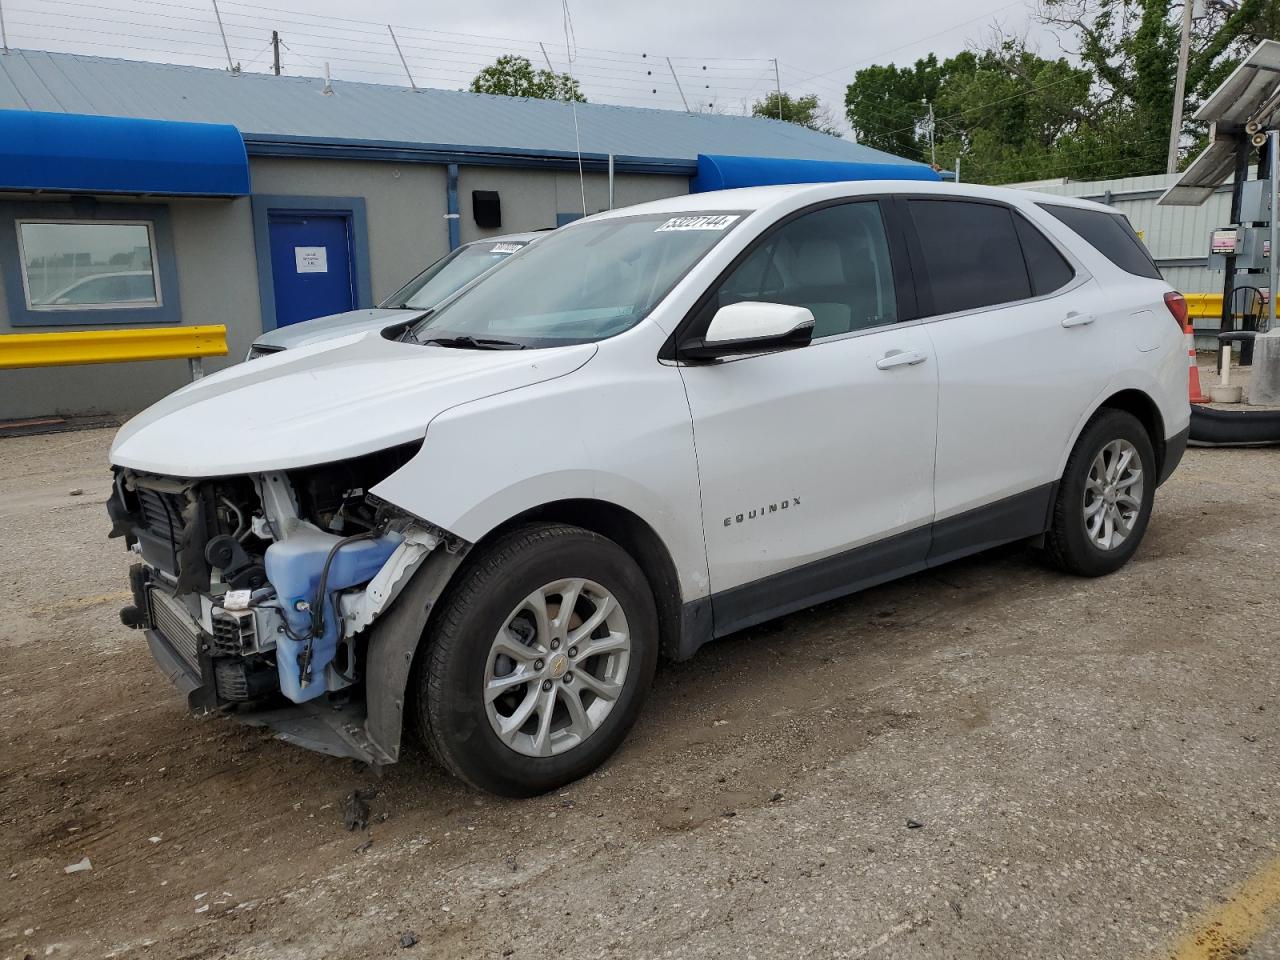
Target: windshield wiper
475,343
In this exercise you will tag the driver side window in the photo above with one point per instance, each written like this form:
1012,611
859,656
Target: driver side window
834,261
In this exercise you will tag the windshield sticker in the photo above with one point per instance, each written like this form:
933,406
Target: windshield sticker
505,247
717,221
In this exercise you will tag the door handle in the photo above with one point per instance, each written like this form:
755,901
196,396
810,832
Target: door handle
900,358
1074,319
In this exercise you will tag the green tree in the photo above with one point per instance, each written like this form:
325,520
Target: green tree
1006,111
1132,48
514,76
885,105
805,110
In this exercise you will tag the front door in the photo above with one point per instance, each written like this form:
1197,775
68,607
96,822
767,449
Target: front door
816,464
310,265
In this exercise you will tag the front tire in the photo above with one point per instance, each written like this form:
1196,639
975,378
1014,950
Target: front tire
539,660
1105,497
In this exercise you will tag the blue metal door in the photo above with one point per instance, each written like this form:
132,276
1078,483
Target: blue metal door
310,265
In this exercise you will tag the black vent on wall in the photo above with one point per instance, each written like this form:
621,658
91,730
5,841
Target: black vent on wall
486,208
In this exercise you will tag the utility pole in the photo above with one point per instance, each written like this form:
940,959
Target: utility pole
777,86
1180,87
933,152
546,56
275,52
4,37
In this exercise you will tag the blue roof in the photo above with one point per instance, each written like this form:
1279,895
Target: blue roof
282,114
78,154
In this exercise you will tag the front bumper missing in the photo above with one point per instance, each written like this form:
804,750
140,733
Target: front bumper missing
336,729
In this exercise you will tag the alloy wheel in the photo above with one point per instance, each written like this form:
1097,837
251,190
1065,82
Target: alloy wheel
1113,494
557,667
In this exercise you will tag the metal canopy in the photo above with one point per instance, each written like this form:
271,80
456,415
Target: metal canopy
1246,102
723,173
68,153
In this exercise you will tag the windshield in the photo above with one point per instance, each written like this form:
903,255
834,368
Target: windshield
451,273
580,284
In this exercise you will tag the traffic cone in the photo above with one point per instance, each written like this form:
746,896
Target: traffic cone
1194,393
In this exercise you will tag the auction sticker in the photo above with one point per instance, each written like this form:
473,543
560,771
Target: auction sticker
715,221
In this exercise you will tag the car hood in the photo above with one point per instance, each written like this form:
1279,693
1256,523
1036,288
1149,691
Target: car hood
340,398
336,325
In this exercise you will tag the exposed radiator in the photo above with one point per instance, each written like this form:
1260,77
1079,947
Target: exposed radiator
175,624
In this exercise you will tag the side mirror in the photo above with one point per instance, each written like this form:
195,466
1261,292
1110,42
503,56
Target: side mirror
751,327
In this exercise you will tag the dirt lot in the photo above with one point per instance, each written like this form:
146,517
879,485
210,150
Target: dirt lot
1091,764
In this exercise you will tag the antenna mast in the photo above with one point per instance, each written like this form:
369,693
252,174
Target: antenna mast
678,87
403,63
230,66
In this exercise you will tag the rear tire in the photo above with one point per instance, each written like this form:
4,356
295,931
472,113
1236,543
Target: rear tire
1104,501
512,697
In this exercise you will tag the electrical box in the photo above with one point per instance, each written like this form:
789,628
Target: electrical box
1255,201
1255,249
1223,242
486,209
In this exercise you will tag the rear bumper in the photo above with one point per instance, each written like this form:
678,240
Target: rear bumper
1174,448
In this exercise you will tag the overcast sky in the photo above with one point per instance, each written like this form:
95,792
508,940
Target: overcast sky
721,49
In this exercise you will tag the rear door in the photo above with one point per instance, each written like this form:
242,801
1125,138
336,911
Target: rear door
816,464
1021,357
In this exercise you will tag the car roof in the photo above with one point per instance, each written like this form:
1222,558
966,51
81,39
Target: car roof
796,194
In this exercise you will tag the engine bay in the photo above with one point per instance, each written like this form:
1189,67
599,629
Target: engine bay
261,584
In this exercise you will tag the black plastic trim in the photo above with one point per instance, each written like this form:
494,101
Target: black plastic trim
1174,448
1019,517
822,580
1013,518
700,351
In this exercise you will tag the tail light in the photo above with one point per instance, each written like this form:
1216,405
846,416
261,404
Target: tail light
1177,305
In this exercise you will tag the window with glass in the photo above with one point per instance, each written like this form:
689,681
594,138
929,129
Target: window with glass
834,262
88,264
971,252
585,283
1110,234
451,273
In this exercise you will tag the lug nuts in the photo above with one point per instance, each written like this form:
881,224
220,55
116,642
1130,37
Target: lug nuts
555,644
538,664
573,651
546,684
568,678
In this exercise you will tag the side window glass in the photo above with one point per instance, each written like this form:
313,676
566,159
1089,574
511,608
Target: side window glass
971,253
1049,270
1111,235
834,261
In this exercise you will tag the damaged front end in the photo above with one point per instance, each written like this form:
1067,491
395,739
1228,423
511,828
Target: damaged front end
259,595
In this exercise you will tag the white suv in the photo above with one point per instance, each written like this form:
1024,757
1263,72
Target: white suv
654,427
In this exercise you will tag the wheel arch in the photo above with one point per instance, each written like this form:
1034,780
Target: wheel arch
1132,400
1142,406
631,532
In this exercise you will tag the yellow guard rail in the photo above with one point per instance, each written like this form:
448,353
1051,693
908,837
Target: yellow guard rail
1205,306
112,346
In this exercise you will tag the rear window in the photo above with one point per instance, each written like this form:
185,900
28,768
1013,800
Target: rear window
1111,235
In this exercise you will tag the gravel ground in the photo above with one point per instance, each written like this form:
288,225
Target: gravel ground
1089,764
